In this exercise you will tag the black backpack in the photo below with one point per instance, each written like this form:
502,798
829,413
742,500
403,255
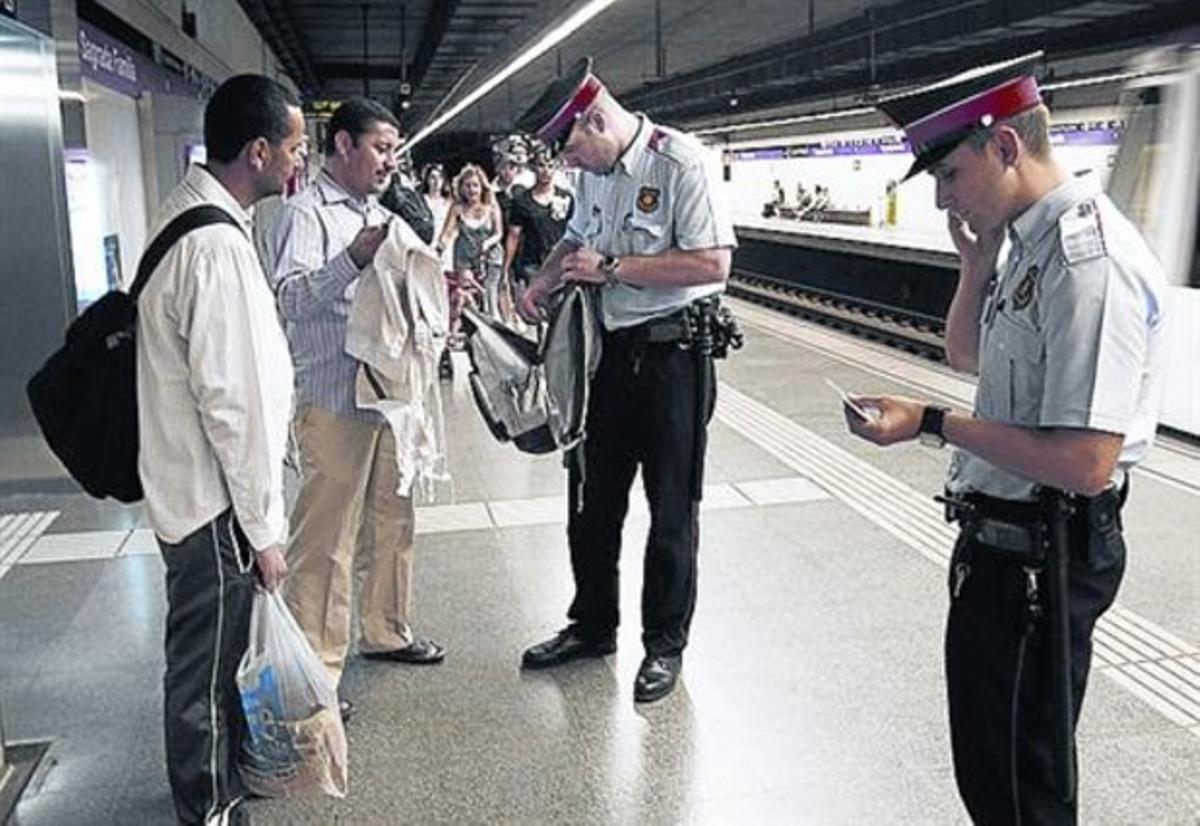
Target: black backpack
411,206
85,396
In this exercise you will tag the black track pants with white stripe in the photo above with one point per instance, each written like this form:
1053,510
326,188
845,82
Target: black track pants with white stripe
210,586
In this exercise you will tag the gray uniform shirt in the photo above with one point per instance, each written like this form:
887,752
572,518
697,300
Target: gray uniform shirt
314,281
659,197
1071,333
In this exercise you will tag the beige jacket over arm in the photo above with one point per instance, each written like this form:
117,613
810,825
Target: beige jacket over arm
397,331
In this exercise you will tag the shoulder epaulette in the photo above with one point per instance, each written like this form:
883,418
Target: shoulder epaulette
673,147
1081,233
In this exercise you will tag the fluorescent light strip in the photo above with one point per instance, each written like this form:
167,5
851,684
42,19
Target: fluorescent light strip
549,40
862,110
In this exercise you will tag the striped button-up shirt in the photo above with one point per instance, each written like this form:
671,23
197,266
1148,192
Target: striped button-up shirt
314,280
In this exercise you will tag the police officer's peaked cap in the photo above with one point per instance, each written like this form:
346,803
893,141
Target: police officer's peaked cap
937,118
550,119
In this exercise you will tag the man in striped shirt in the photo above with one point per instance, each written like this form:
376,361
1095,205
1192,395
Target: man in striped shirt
348,517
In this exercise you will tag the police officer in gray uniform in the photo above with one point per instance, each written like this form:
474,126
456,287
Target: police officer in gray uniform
649,229
1065,334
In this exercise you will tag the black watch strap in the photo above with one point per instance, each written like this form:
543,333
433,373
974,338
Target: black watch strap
933,418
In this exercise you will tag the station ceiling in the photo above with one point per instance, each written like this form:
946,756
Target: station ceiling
684,61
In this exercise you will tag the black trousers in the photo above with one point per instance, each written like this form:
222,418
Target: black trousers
210,587
999,672
642,413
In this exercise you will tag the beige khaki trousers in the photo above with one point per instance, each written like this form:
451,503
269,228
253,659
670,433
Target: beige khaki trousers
349,527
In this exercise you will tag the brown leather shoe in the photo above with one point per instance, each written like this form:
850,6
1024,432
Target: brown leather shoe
417,652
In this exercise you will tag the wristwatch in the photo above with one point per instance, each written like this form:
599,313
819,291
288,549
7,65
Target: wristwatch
930,431
608,266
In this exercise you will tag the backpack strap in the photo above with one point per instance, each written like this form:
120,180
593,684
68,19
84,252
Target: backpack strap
180,225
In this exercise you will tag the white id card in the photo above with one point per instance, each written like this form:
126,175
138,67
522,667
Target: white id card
869,414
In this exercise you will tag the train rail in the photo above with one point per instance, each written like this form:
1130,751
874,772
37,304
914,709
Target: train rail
905,329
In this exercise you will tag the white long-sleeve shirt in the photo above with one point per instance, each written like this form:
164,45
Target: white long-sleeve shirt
214,378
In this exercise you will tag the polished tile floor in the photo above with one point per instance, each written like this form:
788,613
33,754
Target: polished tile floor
812,688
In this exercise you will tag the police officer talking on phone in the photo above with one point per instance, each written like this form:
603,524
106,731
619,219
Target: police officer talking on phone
1065,334
649,230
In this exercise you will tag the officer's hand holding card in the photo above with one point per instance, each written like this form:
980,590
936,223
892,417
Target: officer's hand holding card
864,412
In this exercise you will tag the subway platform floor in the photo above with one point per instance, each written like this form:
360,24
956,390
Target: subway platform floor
812,689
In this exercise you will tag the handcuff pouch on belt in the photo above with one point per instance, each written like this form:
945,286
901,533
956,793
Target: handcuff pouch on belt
712,329
703,327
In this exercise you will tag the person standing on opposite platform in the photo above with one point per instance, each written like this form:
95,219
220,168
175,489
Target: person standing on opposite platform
1066,336
214,396
349,526
649,229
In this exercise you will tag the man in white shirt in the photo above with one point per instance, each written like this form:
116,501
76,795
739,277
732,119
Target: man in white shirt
214,399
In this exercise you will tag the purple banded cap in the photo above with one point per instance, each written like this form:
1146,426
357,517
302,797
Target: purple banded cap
937,118
566,99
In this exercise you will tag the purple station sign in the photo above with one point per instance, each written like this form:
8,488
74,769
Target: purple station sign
1071,134
111,63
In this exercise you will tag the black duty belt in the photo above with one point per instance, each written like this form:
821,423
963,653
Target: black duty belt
1018,527
665,330
704,326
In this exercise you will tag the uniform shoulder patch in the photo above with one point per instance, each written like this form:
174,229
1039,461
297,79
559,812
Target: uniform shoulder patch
1081,233
670,145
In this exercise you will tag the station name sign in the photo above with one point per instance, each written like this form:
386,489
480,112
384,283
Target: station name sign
116,65
1078,133
107,61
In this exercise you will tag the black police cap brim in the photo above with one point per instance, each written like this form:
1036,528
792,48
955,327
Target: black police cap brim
553,99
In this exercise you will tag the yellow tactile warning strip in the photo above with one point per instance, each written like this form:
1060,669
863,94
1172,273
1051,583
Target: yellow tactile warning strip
23,539
18,532
1170,462
550,510
1154,665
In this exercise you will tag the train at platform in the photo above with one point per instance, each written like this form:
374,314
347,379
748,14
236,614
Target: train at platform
820,209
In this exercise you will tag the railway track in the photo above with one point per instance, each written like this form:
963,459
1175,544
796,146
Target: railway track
894,326
914,332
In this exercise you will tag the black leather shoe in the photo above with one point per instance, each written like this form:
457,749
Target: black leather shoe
656,677
345,709
565,646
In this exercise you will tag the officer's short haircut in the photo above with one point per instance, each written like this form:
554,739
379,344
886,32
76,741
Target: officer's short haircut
244,108
1032,126
356,117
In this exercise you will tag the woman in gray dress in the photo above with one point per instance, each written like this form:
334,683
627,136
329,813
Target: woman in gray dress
474,229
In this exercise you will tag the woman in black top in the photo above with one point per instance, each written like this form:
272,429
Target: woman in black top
536,221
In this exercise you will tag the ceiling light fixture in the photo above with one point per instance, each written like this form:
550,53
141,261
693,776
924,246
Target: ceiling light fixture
548,41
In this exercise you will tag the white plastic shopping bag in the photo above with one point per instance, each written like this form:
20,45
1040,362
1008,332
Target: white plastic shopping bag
295,742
